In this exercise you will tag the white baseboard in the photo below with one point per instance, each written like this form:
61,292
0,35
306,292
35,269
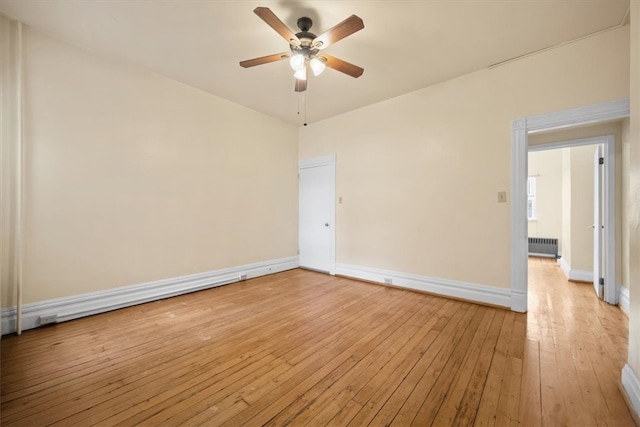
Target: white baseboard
565,267
518,301
623,299
581,275
451,288
77,306
540,255
573,274
631,386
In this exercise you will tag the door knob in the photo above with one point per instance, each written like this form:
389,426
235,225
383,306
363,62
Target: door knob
326,224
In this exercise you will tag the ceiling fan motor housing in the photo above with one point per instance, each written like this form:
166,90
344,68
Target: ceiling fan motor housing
305,24
306,38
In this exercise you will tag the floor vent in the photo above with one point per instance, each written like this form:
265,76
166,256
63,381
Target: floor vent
540,246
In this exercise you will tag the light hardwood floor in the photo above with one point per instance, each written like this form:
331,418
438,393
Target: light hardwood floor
304,348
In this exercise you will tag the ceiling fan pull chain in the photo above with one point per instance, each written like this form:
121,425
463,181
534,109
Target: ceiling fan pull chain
305,107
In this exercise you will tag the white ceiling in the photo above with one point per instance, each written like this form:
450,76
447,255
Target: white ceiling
405,45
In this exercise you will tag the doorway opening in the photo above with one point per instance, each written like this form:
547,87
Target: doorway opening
521,129
573,200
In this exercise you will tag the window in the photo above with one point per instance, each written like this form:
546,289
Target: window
531,198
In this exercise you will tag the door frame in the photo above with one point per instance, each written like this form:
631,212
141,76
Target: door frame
609,205
600,206
520,128
324,161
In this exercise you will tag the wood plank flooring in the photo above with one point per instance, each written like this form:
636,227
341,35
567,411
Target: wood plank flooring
304,348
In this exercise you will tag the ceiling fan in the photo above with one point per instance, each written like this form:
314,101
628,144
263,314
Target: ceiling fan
305,47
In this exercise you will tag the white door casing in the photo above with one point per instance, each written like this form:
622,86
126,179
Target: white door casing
608,261
597,219
316,234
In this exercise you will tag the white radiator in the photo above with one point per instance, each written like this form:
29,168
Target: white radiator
543,247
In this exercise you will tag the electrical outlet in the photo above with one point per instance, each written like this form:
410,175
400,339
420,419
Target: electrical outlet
45,320
502,196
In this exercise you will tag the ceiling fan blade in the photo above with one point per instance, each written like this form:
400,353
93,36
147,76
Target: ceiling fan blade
340,31
301,85
343,66
264,59
274,22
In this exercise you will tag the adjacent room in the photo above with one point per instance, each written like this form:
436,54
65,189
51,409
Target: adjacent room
320,213
568,193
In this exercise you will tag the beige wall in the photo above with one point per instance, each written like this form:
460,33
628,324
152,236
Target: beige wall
578,132
8,152
419,174
546,167
573,179
633,193
582,207
567,252
626,201
132,177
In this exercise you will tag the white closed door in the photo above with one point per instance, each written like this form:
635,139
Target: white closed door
317,214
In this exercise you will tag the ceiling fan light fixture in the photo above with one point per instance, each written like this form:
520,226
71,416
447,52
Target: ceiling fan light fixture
317,65
305,47
297,62
301,74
